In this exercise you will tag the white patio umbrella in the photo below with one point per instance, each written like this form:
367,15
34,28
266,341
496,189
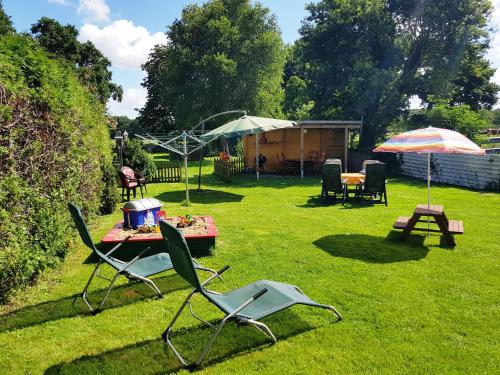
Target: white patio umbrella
248,125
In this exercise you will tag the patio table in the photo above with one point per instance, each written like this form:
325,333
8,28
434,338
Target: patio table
352,179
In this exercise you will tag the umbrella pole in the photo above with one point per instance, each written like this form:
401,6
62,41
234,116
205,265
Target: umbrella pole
184,136
257,155
428,192
301,152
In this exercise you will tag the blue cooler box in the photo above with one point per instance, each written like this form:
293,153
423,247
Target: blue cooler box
140,212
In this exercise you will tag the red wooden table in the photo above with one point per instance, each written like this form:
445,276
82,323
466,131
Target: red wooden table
199,243
447,227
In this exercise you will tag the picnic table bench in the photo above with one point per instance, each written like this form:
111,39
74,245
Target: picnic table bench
447,227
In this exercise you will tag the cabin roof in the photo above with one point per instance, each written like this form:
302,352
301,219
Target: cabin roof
329,124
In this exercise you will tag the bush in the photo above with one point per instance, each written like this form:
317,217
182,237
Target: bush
459,118
138,159
109,195
54,148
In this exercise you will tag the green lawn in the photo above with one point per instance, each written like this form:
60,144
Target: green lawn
408,307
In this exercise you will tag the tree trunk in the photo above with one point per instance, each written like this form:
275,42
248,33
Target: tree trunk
367,140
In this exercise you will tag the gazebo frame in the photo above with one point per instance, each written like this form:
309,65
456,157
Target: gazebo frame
184,143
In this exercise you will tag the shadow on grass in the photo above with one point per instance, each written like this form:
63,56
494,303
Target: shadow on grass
203,196
267,181
373,249
65,308
314,201
155,357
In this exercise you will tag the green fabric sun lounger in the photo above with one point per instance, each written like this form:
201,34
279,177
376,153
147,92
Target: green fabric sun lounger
140,268
246,305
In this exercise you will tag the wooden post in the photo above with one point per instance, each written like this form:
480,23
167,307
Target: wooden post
346,146
301,151
184,137
257,154
201,158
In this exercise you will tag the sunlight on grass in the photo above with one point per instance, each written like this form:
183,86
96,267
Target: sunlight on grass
408,306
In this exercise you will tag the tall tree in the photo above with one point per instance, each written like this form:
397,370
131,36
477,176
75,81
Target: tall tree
6,26
91,65
351,62
434,35
473,85
222,55
367,57
56,38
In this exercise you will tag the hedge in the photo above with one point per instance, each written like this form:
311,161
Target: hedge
54,148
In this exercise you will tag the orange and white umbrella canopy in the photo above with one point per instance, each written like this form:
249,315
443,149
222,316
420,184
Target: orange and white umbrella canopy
428,141
431,140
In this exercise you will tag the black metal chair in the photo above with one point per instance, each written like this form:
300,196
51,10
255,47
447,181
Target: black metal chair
374,184
332,182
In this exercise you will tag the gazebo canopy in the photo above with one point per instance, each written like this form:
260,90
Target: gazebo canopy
247,125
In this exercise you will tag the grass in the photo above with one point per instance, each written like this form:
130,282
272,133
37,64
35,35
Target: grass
409,307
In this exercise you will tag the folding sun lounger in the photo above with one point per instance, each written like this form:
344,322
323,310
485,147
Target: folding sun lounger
140,268
246,305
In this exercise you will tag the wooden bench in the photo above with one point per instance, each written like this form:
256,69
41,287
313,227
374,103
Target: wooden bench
447,227
401,222
456,227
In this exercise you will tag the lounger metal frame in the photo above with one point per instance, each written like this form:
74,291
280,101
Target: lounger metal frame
233,315
113,262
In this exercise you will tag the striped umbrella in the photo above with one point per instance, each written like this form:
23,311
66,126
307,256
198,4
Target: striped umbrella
430,140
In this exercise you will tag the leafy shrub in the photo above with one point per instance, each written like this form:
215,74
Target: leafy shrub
240,148
138,159
54,148
459,118
109,195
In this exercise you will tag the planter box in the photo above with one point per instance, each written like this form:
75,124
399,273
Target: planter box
199,244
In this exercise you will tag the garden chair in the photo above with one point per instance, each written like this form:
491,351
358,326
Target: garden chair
131,180
313,156
281,163
262,162
332,182
244,306
365,162
374,183
320,161
291,166
311,162
139,268
334,161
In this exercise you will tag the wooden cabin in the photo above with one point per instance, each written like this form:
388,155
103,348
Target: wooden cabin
298,142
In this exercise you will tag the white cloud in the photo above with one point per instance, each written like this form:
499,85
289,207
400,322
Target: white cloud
132,98
59,2
123,43
94,10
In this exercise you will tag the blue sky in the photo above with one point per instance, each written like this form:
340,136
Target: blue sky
126,30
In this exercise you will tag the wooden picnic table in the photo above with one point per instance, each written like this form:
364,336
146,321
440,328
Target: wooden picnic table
447,227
